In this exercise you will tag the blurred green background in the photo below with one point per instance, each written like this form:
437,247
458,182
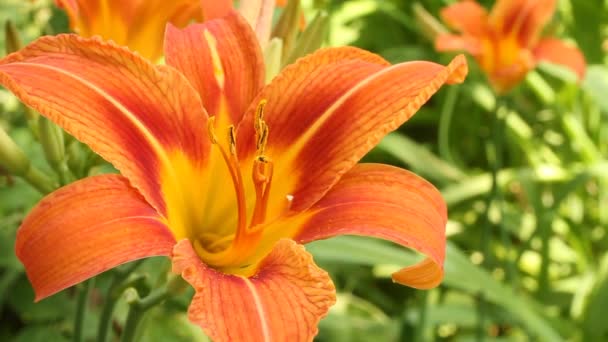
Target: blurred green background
527,259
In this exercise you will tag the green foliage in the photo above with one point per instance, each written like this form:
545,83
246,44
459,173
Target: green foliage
527,254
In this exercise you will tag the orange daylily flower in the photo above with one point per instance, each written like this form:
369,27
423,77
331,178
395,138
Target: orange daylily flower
507,42
225,175
138,24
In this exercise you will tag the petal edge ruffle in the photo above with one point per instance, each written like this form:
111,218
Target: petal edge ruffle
283,301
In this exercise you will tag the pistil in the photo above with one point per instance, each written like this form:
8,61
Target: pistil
246,237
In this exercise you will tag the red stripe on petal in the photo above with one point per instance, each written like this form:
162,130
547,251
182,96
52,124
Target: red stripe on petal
223,61
389,203
86,228
126,109
317,136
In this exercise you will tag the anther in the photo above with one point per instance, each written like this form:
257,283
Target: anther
259,115
232,139
262,137
211,130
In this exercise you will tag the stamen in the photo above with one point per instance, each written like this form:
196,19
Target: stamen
259,114
211,130
261,129
262,179
232,140
232,163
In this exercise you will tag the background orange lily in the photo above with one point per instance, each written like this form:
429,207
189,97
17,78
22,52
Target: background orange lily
138,24
182,134
507,42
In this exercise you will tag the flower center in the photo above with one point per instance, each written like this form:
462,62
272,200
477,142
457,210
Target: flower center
235,249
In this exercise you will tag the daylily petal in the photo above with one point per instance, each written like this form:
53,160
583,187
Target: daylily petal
389,203
558,52
523,18
86,228
467,17
134,114
215,9
223,61
451,42
325,112
283,301
138,24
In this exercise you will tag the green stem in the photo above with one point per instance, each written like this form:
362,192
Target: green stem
81,309
137,310
117,287
39,180
420,334
499,134
445,121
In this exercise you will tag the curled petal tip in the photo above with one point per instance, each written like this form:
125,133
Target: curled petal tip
423,276
458,70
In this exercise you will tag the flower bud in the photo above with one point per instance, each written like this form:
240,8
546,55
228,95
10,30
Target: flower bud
12,157
312,38
287,27
11,37
51,138
272,58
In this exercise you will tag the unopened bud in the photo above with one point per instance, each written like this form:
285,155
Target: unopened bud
272,58
288,26
51,138
12,38
12,158
312,38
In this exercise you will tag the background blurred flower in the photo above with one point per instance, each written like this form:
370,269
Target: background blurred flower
138,24
507,42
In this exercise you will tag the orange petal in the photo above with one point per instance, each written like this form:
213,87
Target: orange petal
216,8
450,42
389,203
467,17
523,18
129,111
223,61
86,228
283,301
558,52
329,109
138,24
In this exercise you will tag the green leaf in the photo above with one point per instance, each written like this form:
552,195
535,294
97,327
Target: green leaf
460,274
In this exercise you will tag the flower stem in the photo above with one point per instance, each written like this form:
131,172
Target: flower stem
138,308
39,180
499,134
81,306
445,121
117,287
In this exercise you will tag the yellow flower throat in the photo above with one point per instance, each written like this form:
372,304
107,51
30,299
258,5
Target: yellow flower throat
238,248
